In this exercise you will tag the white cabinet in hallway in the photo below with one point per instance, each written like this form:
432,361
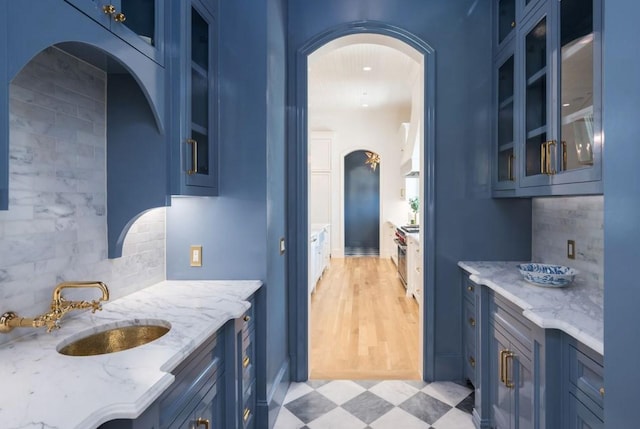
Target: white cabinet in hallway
319,253
414,267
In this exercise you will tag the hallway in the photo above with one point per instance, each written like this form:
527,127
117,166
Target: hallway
362,324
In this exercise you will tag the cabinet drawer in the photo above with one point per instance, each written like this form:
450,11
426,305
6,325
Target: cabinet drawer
469,289
248,411
587,375
470,364
469,324
580,417
510,317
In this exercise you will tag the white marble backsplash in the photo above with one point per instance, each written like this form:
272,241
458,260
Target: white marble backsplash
558,219
56,225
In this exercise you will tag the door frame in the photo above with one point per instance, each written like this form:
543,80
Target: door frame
297,198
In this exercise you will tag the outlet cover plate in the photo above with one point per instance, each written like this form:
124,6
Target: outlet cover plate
195,256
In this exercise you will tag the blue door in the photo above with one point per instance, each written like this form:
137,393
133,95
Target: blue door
361,204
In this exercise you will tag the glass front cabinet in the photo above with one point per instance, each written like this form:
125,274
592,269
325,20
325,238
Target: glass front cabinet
140,23
547,97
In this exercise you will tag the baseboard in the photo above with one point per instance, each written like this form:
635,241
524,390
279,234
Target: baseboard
448,367
478,422
267,411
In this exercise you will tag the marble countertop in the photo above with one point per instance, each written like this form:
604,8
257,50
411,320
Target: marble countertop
44,389
576,309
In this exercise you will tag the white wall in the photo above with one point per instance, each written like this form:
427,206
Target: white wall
56,228
365,129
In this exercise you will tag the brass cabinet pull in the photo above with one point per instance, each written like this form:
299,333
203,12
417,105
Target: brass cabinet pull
470,288
472,362
601,391
245,362
109,9
543,156
246,318
246,414
507,356
501,366
510,167
564,156
204,422
550,168
194,156
472,321
513,24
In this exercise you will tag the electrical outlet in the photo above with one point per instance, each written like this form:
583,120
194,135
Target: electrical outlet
195,256
571,249
282,246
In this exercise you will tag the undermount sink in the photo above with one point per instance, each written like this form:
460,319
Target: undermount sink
114,338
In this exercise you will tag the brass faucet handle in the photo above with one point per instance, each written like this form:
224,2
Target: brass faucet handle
95,306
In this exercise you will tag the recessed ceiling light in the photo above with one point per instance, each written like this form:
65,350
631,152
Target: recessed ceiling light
566,105
366,68
365,105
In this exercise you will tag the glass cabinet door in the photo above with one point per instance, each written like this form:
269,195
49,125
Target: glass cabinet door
506,18
537,150
505,126
200,89
139,23
576,131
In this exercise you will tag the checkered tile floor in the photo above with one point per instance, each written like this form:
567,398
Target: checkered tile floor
358,404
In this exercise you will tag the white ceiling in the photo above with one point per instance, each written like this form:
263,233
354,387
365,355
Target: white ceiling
337,80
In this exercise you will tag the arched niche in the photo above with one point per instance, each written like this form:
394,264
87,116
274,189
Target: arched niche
136,142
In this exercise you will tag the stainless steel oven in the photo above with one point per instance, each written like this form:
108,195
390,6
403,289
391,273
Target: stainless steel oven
402,261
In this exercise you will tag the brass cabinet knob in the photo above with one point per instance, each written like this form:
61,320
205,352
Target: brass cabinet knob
246,318
472,321
245,362
246,414
513,24
109,9
119,17
203,422
601,391
472,362
470,288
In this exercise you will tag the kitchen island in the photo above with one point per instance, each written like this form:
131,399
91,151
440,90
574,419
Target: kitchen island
47,389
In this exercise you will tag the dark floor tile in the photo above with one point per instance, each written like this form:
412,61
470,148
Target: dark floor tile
367,407
310,406
367,384
467,403
425,407
317,383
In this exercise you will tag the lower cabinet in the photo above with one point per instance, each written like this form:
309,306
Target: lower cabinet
583,386
469,327
214,388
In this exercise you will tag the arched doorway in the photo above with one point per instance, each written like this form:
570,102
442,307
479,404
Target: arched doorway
298,198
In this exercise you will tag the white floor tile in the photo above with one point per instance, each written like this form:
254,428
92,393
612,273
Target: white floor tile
337,419
297,390
396,419
455,419
394,391
448,392
341,391
286,420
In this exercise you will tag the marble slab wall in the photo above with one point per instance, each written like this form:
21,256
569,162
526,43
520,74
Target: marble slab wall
56,227
558,219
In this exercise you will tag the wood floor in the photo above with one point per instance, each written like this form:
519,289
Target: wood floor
362,324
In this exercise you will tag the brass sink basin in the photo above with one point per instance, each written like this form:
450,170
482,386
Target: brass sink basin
114,338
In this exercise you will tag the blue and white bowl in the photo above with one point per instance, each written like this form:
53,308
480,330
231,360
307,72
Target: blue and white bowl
547,275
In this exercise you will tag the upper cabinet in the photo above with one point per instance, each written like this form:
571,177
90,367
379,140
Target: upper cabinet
138,22
547,97
193,89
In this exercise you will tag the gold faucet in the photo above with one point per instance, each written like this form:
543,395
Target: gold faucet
59,307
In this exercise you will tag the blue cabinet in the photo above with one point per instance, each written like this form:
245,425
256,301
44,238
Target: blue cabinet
245,379
469,328
138,22
583,386
192,87
547,98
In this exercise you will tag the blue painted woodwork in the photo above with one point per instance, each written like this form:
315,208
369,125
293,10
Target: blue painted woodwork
143,18
198,391
60,24
470,292
583,378
622,211
240,230
536,123
136,159
361,205
457,147
192,89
